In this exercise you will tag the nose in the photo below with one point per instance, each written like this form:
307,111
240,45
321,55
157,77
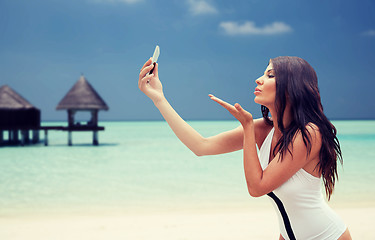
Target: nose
259,81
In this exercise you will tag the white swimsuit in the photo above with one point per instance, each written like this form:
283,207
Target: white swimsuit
300,206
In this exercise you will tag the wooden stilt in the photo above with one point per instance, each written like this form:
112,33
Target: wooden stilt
95,138
70,138
23,137
27,136
45,137
10,136
15,136
35,138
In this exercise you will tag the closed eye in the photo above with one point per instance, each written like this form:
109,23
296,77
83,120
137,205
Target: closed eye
271,76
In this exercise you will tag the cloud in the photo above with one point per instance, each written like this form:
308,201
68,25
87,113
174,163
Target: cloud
249,28
369,33
201,7
116,1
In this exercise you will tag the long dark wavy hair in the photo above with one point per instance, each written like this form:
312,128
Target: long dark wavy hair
297,81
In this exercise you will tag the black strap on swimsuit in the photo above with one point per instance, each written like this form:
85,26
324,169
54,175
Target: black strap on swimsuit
284,215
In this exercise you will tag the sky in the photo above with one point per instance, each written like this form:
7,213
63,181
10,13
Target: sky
206,46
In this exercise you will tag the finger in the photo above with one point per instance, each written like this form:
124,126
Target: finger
148,62
145,70
243,111
219,101
145,81
156,70
142,74
142,83
153,68
238,107
226,105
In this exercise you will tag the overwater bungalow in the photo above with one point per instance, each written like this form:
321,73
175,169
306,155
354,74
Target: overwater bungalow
17,116
82,97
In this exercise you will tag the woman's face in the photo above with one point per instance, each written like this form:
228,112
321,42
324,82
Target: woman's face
265,92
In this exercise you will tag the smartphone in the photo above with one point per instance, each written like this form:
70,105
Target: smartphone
155,57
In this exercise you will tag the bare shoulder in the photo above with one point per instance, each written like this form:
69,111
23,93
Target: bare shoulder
261,129
312,127
313,132
314,136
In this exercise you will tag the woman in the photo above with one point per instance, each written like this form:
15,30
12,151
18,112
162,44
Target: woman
298,146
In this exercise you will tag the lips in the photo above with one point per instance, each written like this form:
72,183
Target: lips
257,91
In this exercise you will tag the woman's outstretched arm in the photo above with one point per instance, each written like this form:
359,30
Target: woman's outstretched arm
259,181
222,143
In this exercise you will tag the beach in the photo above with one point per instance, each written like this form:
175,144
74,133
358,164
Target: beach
241,225
142,183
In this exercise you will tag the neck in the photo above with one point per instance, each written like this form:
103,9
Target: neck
287,119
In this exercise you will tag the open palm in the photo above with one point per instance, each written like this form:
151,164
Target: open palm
237,111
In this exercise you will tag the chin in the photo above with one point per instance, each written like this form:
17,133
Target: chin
260,102
257,101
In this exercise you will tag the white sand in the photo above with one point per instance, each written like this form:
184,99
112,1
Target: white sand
257,224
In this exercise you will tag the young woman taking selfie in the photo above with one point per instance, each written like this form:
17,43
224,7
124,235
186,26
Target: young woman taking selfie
298,147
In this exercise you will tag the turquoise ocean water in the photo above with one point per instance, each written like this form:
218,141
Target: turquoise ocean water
143,167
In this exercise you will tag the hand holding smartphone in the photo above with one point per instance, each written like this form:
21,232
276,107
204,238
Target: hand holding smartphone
155,57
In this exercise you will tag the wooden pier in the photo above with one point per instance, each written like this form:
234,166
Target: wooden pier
22,136
18,117
70,130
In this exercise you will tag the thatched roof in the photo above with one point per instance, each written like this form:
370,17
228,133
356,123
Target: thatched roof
82,96
11,100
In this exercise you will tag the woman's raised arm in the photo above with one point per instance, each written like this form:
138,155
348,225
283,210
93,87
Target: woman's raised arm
222,143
